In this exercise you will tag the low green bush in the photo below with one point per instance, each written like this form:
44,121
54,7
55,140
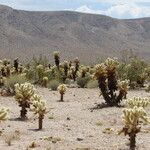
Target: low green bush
92,84
82,82
53,85
12,80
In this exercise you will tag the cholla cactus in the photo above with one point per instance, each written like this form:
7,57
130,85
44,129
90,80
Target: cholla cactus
45,81
111,64
123,87
16,64
57,58
6,62
83,71
3,114
76,61
72,73
131,119
24,93
40,72
139,102
66,67
62,89
105,73
2,81
100,71
39,107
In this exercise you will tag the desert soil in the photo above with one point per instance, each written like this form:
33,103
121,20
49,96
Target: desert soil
71,125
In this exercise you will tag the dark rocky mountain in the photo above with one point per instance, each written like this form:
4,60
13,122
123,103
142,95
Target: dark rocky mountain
88,36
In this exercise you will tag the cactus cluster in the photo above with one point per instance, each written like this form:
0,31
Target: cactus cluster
23,96
3,114
62,89
5,68
106,75
138,101
133,117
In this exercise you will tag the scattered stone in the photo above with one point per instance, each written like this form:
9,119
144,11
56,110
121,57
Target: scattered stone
79,139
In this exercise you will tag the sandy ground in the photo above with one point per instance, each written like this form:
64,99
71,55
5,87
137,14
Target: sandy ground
71,125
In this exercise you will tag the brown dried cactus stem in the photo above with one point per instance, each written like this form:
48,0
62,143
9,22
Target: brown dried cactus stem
76,61
109,92
62,97
23,110
41,117
132,136
16,64
66,67
57,61
132,141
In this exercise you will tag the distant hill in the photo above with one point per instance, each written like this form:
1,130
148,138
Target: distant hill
88,36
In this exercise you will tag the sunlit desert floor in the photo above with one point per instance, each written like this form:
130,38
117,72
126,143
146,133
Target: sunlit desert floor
71,125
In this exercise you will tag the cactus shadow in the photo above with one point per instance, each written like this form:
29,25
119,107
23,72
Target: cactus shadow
18,119
35,130
103,105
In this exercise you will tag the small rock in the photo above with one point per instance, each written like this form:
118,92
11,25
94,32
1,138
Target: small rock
68,118
79,139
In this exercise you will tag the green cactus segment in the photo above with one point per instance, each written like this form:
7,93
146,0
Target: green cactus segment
4,114
132,117
24,92
139,102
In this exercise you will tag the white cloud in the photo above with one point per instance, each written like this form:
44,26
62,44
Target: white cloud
86,9
130,10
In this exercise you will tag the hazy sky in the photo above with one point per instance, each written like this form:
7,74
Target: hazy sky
113,8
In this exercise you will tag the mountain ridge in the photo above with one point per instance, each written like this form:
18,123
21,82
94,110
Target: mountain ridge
87,36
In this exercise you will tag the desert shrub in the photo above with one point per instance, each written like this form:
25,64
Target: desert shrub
92,84
136,71
82,82
12,80
147,88
39,60
121,71
53,85
68,81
